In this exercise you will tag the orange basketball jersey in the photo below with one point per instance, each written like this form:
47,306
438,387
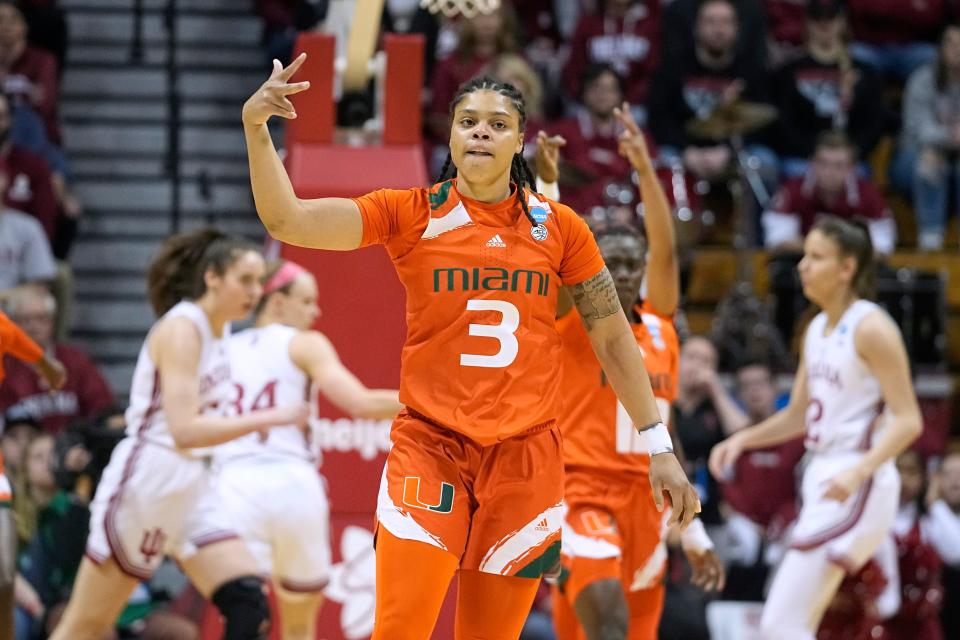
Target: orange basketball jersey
597,432
482,344
16,342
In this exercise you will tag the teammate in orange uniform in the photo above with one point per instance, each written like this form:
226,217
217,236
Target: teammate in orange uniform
474,479
16,342
613,549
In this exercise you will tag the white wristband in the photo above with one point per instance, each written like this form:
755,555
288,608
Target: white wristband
548,189
694,537
657,439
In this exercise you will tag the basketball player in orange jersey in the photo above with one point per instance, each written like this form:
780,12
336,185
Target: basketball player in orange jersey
613,548
16,342
474,480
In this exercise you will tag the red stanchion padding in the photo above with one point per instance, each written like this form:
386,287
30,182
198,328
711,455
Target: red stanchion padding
316,111
319,171
403,83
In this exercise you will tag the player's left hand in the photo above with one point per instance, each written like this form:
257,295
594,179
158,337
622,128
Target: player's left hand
632,142
845,484
547,157
667,476
708,572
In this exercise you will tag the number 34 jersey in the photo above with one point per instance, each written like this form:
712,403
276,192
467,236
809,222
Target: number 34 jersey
264,377
482,352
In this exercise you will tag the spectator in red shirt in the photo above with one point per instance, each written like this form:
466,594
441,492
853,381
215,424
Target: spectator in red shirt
824,89
896,37
830,186
31,183
591,160
84,396
541,33
624,34
764,480
29,74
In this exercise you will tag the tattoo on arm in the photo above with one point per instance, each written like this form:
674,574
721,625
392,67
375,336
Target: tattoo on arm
596,298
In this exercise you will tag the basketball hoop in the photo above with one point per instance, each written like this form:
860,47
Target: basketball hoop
466,8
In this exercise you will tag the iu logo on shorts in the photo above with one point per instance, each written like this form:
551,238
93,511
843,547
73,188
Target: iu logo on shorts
153,543
411,496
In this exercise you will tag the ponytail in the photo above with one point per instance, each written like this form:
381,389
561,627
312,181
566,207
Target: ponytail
177,271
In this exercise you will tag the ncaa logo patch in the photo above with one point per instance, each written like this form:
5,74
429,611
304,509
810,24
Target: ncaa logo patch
539,232
539,214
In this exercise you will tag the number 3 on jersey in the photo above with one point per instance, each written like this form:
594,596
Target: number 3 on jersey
504,333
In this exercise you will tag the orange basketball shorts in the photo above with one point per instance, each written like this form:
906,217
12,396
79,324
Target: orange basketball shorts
496,508
611,530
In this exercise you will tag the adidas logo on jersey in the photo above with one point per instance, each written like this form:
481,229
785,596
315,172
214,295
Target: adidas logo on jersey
497,242
543,526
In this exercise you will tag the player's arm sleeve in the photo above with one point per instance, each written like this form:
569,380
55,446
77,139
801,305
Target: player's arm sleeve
390,216
18,343
581,255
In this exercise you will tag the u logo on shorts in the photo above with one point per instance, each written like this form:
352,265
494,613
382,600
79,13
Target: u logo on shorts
596,524
411,496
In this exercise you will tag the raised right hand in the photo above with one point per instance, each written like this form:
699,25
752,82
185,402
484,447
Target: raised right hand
547,157
271,98
724,455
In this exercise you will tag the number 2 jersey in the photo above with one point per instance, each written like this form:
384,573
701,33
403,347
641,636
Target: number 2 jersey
597,431
845,401
482,350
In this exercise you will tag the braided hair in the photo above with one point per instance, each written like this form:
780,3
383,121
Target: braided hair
520,173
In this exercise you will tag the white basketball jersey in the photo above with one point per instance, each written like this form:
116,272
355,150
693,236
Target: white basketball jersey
845,402
145,417
265,377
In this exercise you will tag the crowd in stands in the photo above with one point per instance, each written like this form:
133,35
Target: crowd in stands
866,96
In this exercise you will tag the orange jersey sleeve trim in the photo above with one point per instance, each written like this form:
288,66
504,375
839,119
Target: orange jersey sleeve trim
393,217
581,255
